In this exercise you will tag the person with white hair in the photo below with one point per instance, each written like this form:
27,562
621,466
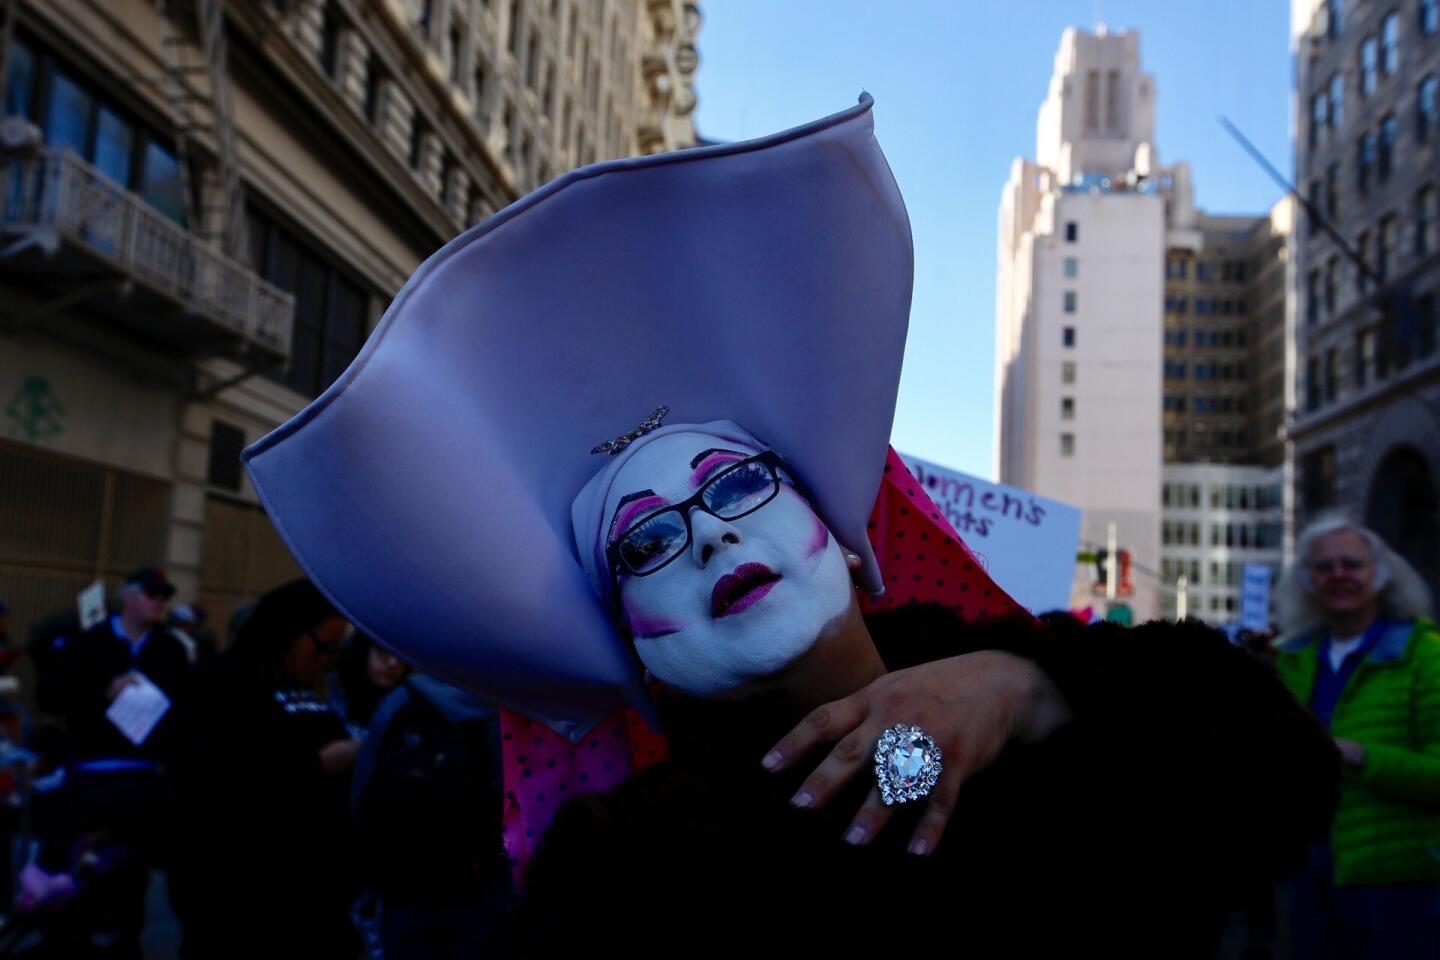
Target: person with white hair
1360,650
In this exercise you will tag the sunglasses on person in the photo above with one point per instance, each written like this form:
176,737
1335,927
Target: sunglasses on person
658,538
1328,566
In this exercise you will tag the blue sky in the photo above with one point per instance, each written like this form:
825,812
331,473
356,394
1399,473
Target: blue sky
957,84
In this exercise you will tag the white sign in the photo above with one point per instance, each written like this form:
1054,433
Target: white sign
1255,598
91,602
138,708
1027,542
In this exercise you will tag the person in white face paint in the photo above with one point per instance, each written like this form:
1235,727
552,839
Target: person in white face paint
739,601
726,576
1068,771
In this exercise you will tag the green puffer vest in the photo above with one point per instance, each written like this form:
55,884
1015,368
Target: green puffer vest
1387,828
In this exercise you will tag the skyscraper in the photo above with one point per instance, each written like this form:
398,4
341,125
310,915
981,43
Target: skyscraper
1083,233
1137,343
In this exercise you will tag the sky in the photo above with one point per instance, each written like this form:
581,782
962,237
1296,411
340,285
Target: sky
957,84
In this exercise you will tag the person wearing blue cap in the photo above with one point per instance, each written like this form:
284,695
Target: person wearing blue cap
758,293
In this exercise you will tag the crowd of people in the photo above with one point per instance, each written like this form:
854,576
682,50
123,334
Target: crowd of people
304,787
301,789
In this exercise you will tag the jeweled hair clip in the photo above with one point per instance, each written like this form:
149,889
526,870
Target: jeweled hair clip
651,422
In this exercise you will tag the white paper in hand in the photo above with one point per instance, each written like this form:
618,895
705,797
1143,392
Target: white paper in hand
138,709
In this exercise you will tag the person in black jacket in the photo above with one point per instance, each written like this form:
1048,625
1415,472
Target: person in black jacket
116,653
262,782
1103,779
114,792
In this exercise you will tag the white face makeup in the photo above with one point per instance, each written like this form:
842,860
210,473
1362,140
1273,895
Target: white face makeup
747,596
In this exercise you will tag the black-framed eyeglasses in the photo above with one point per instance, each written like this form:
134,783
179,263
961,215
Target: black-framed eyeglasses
654,540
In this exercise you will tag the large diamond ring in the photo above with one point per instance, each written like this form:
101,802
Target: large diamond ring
907,763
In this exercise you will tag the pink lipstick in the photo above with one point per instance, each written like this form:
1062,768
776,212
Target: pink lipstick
741,589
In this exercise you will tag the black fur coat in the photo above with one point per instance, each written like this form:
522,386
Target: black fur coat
1188,778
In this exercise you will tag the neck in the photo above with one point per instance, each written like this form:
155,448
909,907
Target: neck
842,661
1352,623
133,626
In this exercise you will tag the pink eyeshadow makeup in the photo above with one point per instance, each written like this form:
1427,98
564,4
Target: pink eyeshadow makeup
631,512
711,462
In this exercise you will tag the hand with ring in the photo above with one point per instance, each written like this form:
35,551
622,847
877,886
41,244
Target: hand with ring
971,705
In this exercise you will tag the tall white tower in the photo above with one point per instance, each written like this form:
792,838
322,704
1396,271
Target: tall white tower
1083,234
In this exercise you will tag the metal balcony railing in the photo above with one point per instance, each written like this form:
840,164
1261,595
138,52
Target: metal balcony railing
54,198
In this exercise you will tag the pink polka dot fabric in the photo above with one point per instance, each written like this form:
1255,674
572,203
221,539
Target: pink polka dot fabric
924,561
923,558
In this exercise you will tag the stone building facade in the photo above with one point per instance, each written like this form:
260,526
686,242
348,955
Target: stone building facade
205,212
1365,438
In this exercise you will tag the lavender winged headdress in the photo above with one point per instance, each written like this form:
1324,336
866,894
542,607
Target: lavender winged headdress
428,491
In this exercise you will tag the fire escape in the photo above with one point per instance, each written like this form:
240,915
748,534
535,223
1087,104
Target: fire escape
81,240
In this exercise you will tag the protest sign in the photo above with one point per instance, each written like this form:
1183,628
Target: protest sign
1255,597
90,603
1027,542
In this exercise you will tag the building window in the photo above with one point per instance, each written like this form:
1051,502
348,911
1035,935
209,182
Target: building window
331,311
1332,375
514,43
1369,65
1069,301
1312,384
1333,18
1312,205
1072,266
1385,250
1312,299
1332,284
1092,101
331,22
1332,193
1427,107
1364,161
1390,43
1067,336
226,443
1112,102
1067,408
1362,272
1386,155
1067,444
1429,16
114,145
1337,102
1072,231
1319,112
1318,479
532,61
1364,358
1067,371
455,39
1425,324
374,77
20,80
1425,214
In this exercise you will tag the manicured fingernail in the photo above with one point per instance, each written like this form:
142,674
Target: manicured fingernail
855,835
772,760
920,847
802,799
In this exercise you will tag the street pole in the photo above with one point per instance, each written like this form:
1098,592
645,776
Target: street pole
1110,563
